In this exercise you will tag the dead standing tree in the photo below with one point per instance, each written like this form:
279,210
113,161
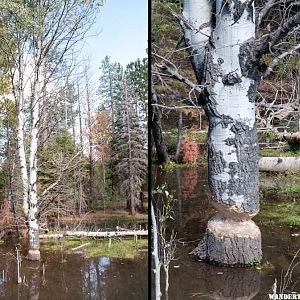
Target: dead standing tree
225,50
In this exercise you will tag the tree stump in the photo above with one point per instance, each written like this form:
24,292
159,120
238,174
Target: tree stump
230,243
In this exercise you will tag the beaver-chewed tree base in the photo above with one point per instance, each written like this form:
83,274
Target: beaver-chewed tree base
229,242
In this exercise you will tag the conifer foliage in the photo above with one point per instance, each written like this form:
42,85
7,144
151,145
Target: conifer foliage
124,96
132,162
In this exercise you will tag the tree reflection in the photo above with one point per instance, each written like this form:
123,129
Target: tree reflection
94,278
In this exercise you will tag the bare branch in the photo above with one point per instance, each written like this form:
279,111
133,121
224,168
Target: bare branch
279,58
269,41
173,72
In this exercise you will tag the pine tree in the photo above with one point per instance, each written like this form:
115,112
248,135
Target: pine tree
132,155
137,72
110,85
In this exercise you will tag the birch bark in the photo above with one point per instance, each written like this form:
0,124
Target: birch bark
33,227
20,130
231,237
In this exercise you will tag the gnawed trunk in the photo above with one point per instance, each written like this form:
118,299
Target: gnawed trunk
232,143
230,242
279,164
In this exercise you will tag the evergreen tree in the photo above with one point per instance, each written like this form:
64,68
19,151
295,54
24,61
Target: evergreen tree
137,72
110,85
131,146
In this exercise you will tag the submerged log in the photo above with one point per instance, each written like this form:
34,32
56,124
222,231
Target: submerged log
95,234
279,164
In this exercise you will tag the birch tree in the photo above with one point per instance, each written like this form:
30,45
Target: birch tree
43,32
225,50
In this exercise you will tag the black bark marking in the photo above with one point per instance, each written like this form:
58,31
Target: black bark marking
218,164
244,174
220,60
251,94
237,9
231,78
249,63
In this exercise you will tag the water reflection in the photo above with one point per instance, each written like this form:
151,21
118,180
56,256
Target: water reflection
196,280
71,276
94,278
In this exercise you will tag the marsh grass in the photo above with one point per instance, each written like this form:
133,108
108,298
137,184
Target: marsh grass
119,248
282,213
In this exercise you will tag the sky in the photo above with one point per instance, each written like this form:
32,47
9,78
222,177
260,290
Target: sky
122,33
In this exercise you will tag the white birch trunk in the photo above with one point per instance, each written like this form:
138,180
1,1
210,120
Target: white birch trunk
33,228
157,263
197,24
232,143
20,134
22,158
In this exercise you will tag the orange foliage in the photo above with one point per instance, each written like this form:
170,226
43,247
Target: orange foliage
6,216
100,135
189,150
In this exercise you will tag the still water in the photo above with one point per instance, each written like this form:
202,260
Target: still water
71,276
190,279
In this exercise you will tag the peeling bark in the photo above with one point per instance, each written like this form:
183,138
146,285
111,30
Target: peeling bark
32,219
231,237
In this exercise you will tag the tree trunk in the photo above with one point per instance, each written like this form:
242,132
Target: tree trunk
89,125
160,146
157,263
279,164
132,201
33,228
231,237
179,137
20,134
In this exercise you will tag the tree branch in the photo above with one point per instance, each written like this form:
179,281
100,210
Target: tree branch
176,75
279,58
269,41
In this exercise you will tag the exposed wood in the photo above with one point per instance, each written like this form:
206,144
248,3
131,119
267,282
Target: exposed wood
279,164
95,234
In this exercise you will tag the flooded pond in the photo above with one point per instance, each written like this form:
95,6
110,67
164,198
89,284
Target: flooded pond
190,279
61,275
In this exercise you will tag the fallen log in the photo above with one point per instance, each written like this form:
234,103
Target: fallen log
279,164
95,234
291,138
